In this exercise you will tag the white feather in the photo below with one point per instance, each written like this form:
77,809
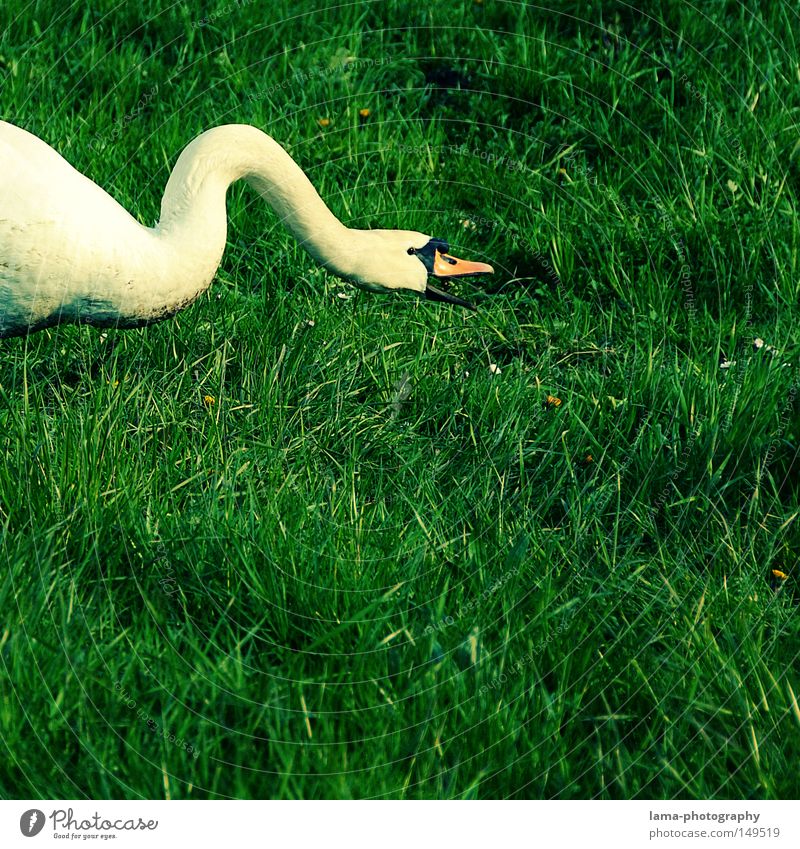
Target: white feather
70,253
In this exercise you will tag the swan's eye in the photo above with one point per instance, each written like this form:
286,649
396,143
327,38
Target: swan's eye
411,251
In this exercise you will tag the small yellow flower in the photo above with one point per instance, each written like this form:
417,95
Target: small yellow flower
209,400
364,113
324,122
781,576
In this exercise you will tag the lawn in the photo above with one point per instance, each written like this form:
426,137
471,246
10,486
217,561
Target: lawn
308,541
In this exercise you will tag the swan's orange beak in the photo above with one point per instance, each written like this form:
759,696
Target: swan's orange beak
446,265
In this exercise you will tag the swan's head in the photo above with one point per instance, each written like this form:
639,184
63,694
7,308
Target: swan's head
405,259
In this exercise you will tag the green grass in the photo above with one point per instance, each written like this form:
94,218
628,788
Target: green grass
372,567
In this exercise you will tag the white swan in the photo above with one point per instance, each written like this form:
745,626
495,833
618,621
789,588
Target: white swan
70,253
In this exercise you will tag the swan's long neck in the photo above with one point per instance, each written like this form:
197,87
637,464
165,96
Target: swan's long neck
74,254
193,220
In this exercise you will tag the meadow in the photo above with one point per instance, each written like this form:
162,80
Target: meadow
305,541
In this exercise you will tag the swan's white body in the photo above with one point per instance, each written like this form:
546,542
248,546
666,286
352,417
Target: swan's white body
70,253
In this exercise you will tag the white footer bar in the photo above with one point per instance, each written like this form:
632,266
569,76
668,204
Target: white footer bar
400,825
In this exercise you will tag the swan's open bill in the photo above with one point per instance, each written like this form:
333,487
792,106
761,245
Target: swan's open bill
439,262
69,253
